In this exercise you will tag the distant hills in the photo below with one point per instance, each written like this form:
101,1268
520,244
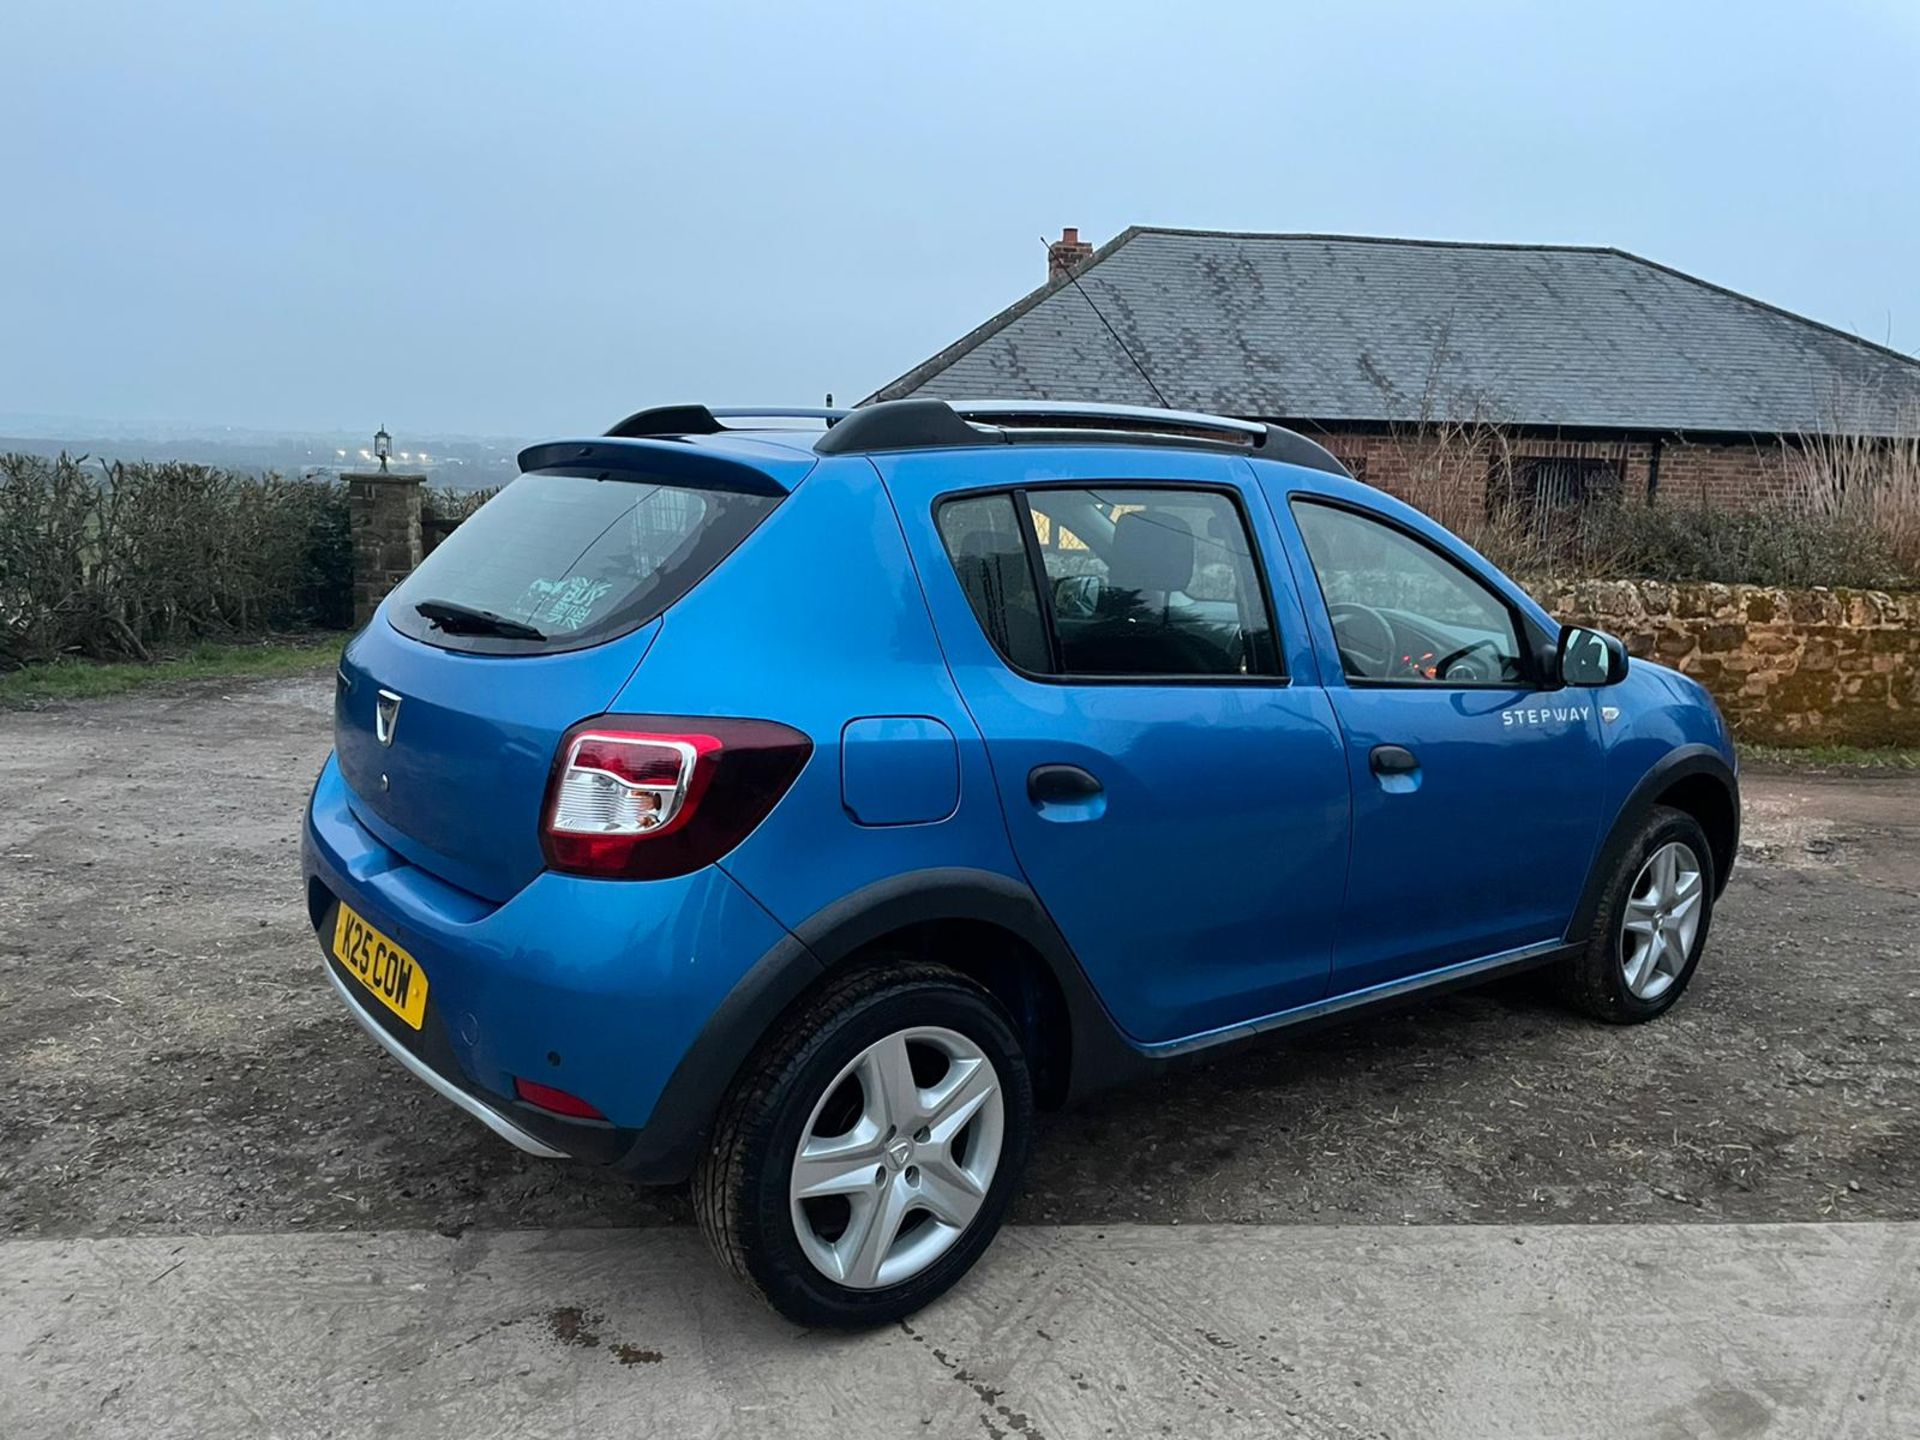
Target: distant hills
462,462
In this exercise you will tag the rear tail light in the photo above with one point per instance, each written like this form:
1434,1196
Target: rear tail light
645,797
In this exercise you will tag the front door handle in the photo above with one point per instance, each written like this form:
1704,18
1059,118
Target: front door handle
1392,760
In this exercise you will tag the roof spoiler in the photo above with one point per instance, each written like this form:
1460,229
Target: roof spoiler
637,457
928,424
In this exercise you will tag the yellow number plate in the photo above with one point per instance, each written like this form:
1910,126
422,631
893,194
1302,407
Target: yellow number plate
394,976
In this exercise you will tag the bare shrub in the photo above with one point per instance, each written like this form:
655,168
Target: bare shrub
1870,480
1772,543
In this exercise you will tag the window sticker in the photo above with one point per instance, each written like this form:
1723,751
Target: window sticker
563,604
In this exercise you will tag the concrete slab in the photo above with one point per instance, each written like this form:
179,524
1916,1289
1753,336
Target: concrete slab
1668,1331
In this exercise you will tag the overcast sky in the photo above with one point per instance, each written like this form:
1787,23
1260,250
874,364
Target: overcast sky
530,218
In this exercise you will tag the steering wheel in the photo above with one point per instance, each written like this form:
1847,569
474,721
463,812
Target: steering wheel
1479,670
1368,655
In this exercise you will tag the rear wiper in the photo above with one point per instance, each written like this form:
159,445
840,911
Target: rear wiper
458,619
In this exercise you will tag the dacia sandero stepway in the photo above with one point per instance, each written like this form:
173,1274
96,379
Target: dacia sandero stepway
793,802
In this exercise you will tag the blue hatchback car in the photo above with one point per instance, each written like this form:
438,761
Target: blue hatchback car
793,802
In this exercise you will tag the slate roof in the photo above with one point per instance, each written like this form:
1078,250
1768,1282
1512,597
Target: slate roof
1334,328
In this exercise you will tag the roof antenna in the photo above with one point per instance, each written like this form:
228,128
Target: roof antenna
1111,331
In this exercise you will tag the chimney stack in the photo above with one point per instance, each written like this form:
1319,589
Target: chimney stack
1066,255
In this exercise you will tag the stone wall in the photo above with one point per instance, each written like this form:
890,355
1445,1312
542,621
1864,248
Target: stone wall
1788,667
384,515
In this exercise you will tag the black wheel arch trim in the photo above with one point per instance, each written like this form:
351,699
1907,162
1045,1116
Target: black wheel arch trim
667,1148
1679,764
668,1145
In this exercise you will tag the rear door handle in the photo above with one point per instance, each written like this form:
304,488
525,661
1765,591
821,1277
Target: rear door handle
1061,785
1393,760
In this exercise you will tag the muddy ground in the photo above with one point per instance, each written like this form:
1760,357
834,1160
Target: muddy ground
175,1062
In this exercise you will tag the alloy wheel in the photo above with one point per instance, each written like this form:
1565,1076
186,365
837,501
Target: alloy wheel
897,1157
1662,919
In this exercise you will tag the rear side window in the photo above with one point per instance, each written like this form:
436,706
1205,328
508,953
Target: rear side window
1119,582
561,562
982,535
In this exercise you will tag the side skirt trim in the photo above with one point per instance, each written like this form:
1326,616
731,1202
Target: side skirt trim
1338,1007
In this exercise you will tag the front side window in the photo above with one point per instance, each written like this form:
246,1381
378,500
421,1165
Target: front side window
1139,582
1402,612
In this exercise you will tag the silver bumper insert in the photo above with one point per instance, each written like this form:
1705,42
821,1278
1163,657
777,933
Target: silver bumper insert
484,1113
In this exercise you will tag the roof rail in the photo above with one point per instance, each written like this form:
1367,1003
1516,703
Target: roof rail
928,424
1020,414
700,420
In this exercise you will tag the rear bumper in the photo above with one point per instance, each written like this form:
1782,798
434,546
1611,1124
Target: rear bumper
441,1086
599,988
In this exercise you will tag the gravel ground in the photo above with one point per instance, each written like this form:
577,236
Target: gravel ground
177,1063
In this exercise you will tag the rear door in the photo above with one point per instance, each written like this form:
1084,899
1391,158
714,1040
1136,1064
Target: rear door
1475,791
1178,803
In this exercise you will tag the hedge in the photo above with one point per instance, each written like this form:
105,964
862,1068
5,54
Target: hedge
109,560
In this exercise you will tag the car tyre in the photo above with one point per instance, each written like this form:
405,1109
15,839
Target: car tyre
1643,951
824,1074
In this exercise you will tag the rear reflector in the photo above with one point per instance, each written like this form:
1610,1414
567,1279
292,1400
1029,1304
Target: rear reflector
557,1101
645,797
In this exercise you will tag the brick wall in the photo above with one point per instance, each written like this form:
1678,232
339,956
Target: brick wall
1788,667
1719,473
1724,476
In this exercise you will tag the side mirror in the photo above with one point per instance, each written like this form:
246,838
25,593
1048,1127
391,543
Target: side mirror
1589,658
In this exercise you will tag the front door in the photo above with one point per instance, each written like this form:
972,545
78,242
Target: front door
1475,791
1178,804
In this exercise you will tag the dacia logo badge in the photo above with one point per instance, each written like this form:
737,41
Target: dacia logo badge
1609,713
386,714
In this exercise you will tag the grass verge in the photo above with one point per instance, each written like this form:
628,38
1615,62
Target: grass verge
1830,757
89,679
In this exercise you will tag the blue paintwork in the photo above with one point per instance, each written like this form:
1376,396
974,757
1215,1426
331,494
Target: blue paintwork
1209,888
473,747
1487,851
817,620
1661,711
1239,867
899,770
616,979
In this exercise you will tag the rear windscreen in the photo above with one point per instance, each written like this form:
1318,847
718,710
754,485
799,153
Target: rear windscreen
560,562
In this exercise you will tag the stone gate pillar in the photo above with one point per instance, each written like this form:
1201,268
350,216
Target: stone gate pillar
384,514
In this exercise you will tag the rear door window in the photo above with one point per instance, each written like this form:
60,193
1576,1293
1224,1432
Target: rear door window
1121,582
561,562
1151,583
